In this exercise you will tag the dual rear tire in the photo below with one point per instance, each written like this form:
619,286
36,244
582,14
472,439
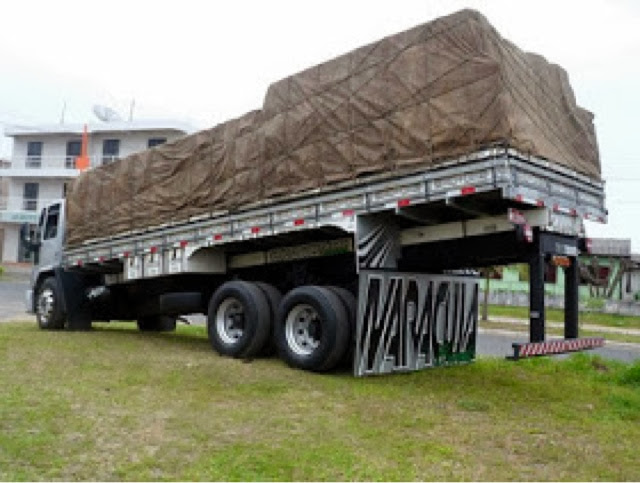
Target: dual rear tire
311,326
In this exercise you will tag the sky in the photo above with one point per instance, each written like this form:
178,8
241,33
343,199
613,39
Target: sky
208,61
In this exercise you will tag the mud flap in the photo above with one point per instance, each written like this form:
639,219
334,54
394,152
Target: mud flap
408,322
76,305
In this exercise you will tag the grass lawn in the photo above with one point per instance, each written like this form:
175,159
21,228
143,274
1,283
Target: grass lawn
557,315
114,404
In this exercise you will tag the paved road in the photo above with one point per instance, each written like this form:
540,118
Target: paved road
498,343
490,342
12,290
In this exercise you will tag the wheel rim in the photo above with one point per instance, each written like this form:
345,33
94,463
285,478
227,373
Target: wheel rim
46,305
303,329
230,320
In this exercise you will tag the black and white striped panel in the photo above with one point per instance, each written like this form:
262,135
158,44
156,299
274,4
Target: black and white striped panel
408,322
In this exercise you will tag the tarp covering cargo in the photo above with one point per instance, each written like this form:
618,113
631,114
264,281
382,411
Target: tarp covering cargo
408,101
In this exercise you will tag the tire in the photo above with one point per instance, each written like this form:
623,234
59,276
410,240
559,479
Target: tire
49,305
274,297
157,323
351,306
239,320
313,329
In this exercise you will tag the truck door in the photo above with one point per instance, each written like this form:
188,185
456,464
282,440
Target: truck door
51,233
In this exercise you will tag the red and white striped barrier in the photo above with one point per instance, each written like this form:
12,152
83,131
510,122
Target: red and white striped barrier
533,349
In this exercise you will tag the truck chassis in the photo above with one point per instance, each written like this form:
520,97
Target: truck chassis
393,240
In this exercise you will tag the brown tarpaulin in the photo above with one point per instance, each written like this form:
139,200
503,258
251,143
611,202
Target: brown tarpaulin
413,99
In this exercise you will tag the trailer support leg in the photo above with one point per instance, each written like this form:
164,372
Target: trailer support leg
536,298
571,282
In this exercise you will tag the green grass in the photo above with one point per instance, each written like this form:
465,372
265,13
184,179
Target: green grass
114,404
557,315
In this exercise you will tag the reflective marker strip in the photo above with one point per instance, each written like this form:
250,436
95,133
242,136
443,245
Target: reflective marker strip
468,190
533,349
567,211
343,214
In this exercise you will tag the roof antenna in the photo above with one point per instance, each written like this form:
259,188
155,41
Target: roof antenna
64,110
133,103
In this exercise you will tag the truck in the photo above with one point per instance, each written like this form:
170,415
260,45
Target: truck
344,222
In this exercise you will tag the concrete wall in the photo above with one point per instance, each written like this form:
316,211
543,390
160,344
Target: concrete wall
510,281
10,242
55,146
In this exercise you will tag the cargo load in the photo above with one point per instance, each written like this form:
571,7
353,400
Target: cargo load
408,102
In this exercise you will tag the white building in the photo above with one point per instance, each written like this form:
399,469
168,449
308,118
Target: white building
43,162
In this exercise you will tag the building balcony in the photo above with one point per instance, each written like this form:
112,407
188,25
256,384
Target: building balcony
40,167
16,209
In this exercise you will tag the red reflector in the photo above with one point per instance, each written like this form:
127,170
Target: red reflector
79,263
298,222
348,213
574,212
539,202
217,237
153,249
556,207
519,198
255,229
101,259
404,202
588,244
183,243
125,254
528,233
467,190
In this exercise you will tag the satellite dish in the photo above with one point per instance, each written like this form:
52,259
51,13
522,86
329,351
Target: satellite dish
106,114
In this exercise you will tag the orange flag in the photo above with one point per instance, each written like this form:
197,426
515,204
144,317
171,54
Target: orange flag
82,161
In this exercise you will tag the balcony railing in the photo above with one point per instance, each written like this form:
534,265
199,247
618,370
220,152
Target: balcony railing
42,162
54,162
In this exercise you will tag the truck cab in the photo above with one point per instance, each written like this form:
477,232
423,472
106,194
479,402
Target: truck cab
47,247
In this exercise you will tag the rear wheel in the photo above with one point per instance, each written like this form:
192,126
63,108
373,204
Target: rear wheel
313,328
49,306
239,319
274,297
157,323
351,306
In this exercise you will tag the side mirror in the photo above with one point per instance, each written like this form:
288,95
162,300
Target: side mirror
25,236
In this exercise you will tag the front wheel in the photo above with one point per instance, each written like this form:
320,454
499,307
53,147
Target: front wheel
49,306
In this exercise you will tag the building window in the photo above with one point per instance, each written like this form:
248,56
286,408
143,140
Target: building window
34,154
156,141
74,149
110,150
30,197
